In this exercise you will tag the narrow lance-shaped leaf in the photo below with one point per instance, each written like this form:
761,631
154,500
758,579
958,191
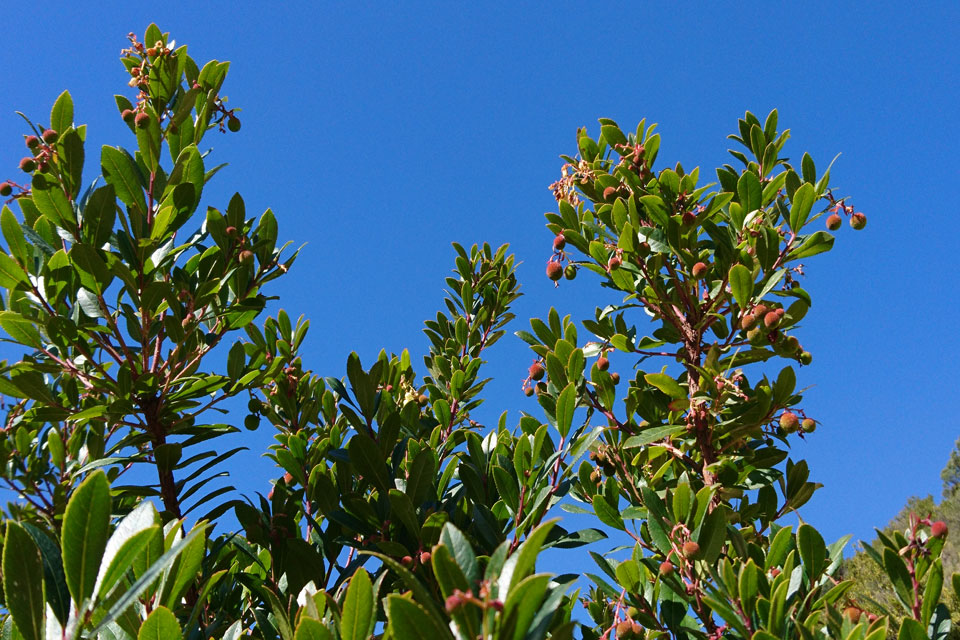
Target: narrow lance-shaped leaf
23,581
84,536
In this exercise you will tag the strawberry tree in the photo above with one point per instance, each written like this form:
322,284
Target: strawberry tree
666,418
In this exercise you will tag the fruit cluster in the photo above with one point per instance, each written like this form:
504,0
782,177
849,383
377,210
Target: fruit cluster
555,268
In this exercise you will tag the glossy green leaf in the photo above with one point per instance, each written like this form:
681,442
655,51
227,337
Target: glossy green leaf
368,460
800,206
566,404
121,171
410,621
161,624
356,621
462,551
23,581
817,242
666,384
750,192
310,629
61,115
910,629
741,284
84,538
813,551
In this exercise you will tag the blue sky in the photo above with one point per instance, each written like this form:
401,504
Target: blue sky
381,132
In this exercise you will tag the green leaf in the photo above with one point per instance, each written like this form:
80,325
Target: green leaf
161,624
666,384
146,579
57,595
20,329
910,629
409,621
184,571
462,551
813,551
52,203
817,242
741,284
800,206
566,404
13,234
750,191
607,513
61,116
11,274
356,621
84,537
23,581
99,214
131,549
653,434
521,563
120,170
899,576
368,460
310,629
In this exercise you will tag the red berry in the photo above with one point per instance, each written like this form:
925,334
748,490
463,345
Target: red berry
615,377
6,189
50,136
603,363
699,270
27,165
406,561
609,192
760,310
559,242
528,391
536,371
142,120
938,529
554,270
858,221
666,568
32,142
425,557
452,602
853,614
833,222
246,257
690,548
748,321
771,320
689,217
127,115
614,263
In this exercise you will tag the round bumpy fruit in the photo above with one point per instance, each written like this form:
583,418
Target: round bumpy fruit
771,320
852,614
254,405
570,272
808,425
536,371
666,568
614,263
5,189
50,136
142,120
609,192
233,123
32,142
858,221
251,422
806,357
559,242
938,529
789,421
747,321
615,377
834,222
603,363
690,549
246,257
528,391
127,115
424,557
27,165
554,270
699,270
643,249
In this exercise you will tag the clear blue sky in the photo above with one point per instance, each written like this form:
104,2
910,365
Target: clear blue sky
379,134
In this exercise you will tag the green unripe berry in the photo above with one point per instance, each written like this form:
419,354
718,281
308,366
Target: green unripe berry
254,405
858,221
251,422
6,189
808,425
806,357
570,272
233,124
